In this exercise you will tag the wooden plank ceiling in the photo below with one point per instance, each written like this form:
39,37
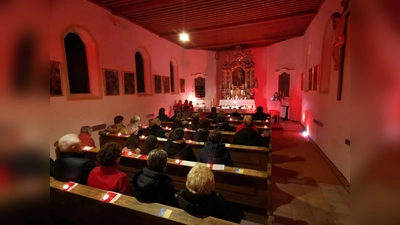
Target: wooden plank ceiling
219,24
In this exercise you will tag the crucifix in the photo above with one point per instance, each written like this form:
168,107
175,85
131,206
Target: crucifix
340,26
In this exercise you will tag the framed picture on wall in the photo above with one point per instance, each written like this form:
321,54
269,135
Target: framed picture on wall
111,82
55,79
315,77
128,79
165,81
182,85
310,79
157,84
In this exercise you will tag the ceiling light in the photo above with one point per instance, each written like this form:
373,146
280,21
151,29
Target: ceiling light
183,37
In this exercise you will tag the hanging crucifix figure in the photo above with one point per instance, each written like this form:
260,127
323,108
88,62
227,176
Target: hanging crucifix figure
339,25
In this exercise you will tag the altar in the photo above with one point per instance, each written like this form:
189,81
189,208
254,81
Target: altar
243,105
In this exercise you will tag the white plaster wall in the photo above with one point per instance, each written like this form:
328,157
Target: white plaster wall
117,46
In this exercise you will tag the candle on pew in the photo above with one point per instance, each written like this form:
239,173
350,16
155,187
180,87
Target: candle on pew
185,129
130,153
105,197
66,186
119,134
265,126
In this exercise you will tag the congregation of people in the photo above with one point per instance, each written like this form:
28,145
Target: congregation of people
151,183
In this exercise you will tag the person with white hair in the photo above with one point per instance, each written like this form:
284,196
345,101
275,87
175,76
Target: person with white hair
70,164
134,126
199,197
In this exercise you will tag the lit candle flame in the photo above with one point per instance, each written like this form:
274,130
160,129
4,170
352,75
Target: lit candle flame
66,186
105,197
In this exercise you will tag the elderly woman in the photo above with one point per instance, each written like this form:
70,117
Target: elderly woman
214,151
202,133
107,176
177,148
86,136
156,129
134,126
199,197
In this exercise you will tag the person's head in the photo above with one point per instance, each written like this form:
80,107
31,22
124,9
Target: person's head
177,134
190,103
213,109
179,116
234,111
161,111
186,101
109,154
221,116
248,121
155,122
195,117
200,180
177,110
151,121
204,123
135,120
186,108
118,119
260,109
70,143
177,123
86,130
151,142
157,160
215,136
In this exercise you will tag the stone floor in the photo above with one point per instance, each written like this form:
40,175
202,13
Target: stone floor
298,199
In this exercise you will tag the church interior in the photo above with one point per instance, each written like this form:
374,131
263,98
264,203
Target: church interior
117,63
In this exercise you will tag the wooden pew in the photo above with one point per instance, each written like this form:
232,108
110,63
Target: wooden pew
261,128
250,157
243,186
82,205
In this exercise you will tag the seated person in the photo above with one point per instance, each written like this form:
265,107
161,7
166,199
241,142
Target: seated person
161,115
151,183
248,135
214,152
202,133
118,126
150,143
235,115
199,198
176,111
134,126
213,115
222,124
70,164
260,115
186,113
132,145
191,107
176,124
86,136
180,117
107,176
194,125
156,129
177,148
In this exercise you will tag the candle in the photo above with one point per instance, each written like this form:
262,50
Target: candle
119,134
105,197
66,186
142,136
265,126
177,161
130,153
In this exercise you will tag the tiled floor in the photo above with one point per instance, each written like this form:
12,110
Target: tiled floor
300,201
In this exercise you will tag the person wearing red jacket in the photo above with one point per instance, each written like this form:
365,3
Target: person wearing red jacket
86,136
107,176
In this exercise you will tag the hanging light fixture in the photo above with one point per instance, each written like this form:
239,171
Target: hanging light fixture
216,51
183,36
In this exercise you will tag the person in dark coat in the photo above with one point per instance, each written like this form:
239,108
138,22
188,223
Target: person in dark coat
132,145
161,115
235,115
70,164
150,143
151,183
177,148
199,198
156,129
202,133
214,151
213,115
248,135
260,115
222,124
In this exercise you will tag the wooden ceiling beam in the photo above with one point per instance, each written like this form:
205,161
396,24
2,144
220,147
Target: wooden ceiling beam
246,23
137,7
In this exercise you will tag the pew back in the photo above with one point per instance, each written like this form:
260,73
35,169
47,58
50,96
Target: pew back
82,205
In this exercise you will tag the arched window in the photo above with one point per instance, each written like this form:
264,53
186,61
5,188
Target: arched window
140,73
171,75
82,71
174,76
143,72
326,58
77,66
